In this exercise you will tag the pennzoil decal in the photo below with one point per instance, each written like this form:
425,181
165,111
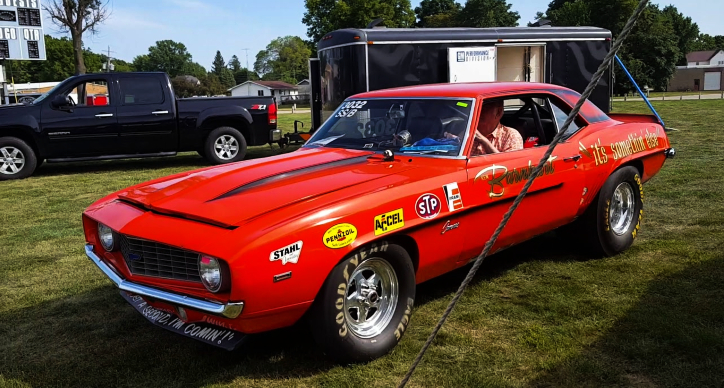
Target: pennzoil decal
388,222
288,254
339,236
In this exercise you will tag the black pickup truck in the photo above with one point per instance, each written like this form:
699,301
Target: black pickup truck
129,115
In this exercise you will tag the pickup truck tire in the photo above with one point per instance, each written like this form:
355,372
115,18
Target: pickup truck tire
17,159
224,145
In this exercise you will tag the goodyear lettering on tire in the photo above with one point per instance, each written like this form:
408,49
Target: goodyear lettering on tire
405,321
339,236
605,215
635,232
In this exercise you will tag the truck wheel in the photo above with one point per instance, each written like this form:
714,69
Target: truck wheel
225,145
365,305
17,159
613,220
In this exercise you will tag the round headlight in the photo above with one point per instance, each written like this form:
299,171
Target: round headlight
210,271
105,234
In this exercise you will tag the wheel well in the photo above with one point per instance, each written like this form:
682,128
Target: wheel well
410,245
239,124
22,135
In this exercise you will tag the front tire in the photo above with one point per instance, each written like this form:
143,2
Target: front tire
224,145
365,305
614,218
17,159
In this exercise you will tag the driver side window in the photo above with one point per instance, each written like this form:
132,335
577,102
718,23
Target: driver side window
90,93
561,112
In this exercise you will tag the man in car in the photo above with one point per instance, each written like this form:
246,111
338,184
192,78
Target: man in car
492,137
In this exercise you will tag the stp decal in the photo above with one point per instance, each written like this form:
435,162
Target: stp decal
427,206
288,254
453,197
339,236
389,221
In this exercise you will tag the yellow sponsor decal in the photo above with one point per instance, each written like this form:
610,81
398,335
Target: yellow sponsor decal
389,221
339,236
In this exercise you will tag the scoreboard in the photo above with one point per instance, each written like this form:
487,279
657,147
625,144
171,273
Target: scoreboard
21,30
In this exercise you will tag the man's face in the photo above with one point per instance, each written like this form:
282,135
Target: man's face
490,118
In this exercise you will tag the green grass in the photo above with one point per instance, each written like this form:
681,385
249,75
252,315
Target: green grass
539,314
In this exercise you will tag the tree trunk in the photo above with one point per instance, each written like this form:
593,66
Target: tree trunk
78,52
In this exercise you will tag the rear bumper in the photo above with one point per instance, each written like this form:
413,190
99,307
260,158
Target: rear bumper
228,310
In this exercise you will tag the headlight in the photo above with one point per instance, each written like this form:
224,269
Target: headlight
106,235
210,271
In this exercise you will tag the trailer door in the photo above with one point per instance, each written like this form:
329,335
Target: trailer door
521,62
471,64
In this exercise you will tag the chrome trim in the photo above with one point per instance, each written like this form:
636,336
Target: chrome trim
228,310
104,115
275,135
448,41
159,112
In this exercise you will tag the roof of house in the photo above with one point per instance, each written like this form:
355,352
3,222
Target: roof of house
268,84
303,82
701,56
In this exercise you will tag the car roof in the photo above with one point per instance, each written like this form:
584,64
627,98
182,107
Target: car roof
469,89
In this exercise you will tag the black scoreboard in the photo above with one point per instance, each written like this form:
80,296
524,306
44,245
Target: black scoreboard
21,30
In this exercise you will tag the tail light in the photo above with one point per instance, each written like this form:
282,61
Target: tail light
273,113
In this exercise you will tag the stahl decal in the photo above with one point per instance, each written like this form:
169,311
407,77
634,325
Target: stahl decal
288,254
339,236
453,197
428,206
389,221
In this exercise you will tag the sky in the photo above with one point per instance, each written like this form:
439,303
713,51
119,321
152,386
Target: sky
230,26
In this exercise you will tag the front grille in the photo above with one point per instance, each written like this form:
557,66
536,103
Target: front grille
150,258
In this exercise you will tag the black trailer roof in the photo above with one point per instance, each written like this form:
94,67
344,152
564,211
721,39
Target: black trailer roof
459,35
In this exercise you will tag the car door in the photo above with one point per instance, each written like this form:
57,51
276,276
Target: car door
146,115
496,179
85,129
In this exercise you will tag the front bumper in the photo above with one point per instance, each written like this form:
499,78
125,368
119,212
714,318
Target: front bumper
228,310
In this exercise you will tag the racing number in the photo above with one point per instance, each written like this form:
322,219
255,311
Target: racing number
349,109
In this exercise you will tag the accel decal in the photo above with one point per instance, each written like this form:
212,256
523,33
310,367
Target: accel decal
288,254
453,197
340,236
388,222
428,206
498,182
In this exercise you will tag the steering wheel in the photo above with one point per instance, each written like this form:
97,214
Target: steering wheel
70,100
538,125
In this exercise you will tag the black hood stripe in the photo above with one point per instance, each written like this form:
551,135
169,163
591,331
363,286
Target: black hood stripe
291,174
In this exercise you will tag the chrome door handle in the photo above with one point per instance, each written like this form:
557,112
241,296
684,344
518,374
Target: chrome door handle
159,112
572,158
102,115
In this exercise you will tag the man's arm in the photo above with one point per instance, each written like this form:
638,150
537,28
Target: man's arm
487,146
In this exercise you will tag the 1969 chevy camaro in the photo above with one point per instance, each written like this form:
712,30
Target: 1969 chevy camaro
386,194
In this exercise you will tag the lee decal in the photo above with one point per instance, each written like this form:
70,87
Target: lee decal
340,236
288,254
427,206
388,222
453,197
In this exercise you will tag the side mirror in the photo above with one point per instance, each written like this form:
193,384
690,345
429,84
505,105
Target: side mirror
59,102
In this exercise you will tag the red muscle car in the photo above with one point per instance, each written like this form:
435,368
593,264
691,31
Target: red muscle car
385,195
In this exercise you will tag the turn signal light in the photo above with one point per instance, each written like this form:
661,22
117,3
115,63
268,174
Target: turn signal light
273,113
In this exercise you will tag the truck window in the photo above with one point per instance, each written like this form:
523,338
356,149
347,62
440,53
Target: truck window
141,91
90,93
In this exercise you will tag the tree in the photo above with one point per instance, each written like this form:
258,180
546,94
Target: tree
167,55
323,16
76,17
234,64
194,69
488,13
218,65
706,42
685,32
212,85
244,75
227,78
435,9
285,58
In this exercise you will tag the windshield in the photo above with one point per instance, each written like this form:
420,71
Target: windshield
406,125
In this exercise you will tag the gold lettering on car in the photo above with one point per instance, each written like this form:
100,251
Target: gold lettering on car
498,183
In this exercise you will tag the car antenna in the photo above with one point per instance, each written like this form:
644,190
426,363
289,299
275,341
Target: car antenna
389,156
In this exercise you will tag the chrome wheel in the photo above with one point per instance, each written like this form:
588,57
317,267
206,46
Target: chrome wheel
621,211
226,147
371,298
12,160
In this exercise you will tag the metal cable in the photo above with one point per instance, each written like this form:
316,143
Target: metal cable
479,260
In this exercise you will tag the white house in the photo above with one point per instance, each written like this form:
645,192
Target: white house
304,87
705,58
704,70
281,90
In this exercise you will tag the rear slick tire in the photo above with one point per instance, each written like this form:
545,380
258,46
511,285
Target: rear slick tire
613,220
364,307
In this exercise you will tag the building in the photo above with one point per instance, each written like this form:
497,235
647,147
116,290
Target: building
703,71
281,90
304,87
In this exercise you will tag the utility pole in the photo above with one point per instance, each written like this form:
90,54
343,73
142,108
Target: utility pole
108,60
247,62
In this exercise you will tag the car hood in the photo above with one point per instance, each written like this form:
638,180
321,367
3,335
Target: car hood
231,194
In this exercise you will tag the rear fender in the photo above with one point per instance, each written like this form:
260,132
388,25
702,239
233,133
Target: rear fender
231,113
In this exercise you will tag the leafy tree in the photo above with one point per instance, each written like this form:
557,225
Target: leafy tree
218,65
285,58
449,19
234,64
212,85
167,55
488,13
323,16
685,32
194,69
244,75
434,9
76,17
187,86
227,78
706,42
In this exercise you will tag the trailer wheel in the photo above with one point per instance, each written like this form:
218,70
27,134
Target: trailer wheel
224,145
17,159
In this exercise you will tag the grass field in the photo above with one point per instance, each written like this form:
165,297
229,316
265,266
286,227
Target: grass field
538,315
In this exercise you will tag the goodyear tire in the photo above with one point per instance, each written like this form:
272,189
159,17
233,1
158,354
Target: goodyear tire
365,305
17,159
614,218
224,145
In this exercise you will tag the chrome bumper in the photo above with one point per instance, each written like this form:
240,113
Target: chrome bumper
275,135
228,310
